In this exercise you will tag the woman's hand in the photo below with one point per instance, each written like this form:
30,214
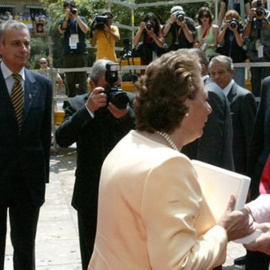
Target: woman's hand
238,224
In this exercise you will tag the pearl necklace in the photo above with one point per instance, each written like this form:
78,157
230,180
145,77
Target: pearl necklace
168,139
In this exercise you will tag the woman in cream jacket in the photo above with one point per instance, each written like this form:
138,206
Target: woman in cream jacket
152,213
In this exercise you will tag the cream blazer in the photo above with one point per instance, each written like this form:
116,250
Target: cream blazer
151,212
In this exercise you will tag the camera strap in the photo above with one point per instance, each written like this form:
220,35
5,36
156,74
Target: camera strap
206,31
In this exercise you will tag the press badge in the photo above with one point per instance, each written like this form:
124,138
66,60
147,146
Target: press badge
259,48
73,40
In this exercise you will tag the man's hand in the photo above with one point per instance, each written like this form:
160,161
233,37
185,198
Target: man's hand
97,99
116,112
262,243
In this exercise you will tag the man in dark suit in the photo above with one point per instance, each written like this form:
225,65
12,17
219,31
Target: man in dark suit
96,126
260,143
259,151
243,109
215,145
25,140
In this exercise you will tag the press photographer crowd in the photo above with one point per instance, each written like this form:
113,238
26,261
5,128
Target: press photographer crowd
137,195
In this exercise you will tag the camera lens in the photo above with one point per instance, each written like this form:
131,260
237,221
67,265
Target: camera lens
181,16
149,25
73,10
233,23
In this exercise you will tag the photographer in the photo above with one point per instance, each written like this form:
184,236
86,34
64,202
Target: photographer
152,40
257,32
95,125
74,28
207,32
104,35
182,29
230,43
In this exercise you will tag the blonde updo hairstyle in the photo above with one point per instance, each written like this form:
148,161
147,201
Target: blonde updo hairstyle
160,94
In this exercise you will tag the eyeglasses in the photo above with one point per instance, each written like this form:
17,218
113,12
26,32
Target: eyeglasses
43,63
205,16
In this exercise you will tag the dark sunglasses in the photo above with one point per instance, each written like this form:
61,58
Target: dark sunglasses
43,63
205,16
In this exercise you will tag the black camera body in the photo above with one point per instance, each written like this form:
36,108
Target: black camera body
233,23
100,20
180,15
259,10
115,95
148,25
73,10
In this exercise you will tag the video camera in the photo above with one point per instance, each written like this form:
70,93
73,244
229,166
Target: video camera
73,10
233,23
115,95
100,20
180,15
260,10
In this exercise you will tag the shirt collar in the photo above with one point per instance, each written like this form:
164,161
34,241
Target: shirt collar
7,72
227,89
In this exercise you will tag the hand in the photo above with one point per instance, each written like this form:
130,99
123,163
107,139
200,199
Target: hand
238,224
142,26
116,112
252,13
173,17
150,32
262,243
97,99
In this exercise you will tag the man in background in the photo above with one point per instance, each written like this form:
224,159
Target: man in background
45,70
215,145
181,28
242,105
74,28
95,124
104,35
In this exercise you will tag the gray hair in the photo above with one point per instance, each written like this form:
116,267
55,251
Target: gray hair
176,8
99,69
11,24
222,59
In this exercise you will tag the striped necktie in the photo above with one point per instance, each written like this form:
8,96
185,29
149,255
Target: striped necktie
17,98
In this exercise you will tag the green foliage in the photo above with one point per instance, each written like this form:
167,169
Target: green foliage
39,49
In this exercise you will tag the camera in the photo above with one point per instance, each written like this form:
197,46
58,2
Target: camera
115,95
233,23
73,10
180,16
127,51
100,20
260,10
148,25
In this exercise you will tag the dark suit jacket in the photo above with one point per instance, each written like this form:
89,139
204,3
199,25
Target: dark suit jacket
28,152
95,138
260,143
215,145
243,110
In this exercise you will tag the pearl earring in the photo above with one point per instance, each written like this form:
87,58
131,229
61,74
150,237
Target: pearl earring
187,114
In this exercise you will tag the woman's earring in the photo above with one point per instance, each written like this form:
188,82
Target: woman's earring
187,114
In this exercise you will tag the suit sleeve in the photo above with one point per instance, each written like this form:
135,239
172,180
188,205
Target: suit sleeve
215,146
74,122
175,217
247,114
46,128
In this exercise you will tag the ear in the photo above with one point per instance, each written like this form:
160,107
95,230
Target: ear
92,85
1,48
